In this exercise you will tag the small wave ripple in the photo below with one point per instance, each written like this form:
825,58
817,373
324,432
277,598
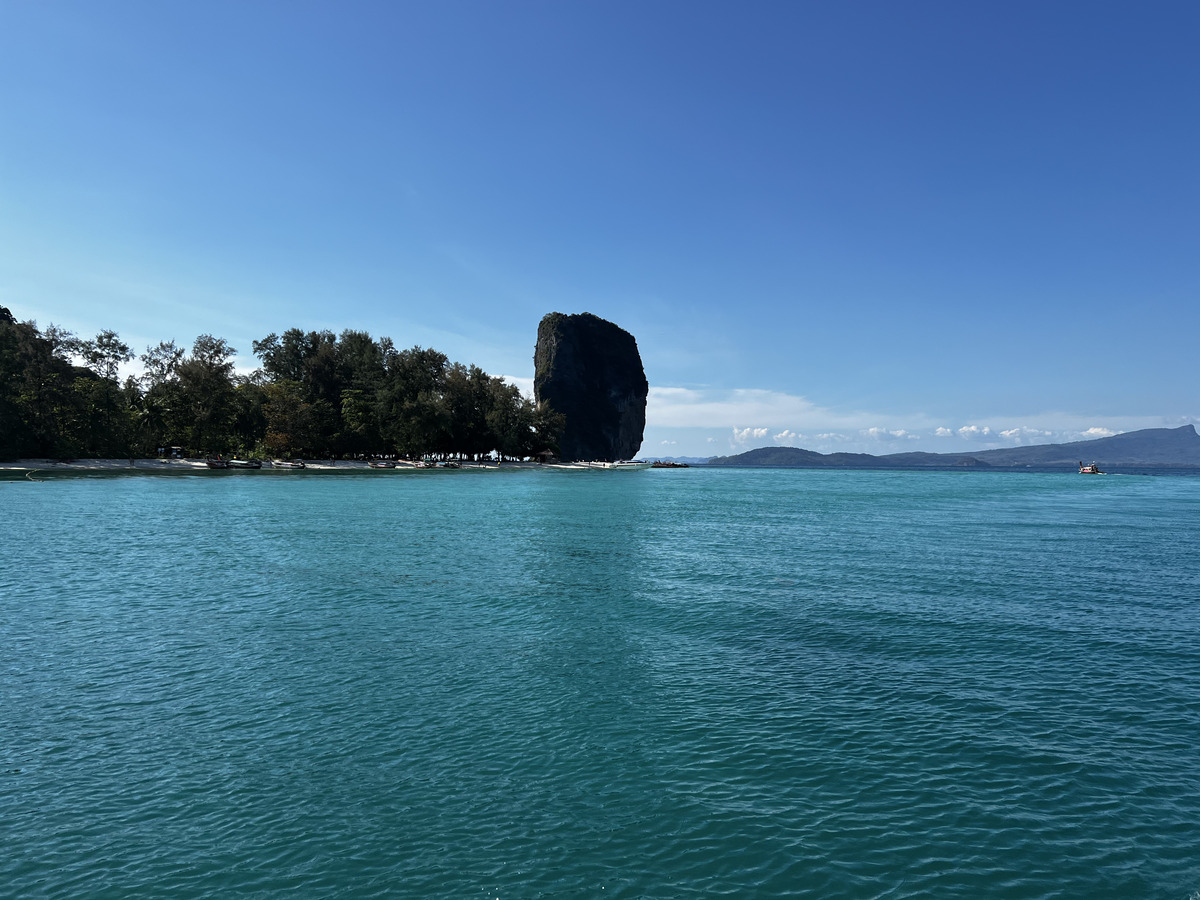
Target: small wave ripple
679,685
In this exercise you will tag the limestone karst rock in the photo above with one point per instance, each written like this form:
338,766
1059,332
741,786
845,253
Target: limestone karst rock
590,370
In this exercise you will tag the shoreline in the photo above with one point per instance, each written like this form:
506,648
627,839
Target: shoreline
29,467
152,465
198,465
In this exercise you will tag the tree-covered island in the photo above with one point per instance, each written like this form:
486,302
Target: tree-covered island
316,395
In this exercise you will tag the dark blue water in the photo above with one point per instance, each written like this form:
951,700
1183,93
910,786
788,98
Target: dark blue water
688,683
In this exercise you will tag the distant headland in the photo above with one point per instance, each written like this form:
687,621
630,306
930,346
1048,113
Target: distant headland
1150,447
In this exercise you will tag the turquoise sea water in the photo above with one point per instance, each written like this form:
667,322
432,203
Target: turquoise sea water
694,683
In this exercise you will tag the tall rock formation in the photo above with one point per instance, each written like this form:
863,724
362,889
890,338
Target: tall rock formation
590,370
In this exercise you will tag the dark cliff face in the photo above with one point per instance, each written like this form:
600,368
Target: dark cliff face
590,370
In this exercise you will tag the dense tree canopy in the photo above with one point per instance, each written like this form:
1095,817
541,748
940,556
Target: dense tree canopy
317,395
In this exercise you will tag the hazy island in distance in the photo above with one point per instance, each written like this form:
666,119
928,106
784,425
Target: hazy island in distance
1150,447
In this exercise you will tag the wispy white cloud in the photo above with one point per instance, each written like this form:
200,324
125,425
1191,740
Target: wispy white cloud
524,385
744,435
726,408
880,434
712,408
700,417
1023,435
975,432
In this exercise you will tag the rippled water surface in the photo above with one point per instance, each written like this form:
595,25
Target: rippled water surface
639,684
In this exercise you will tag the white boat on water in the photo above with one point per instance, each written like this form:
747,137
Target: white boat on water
626,465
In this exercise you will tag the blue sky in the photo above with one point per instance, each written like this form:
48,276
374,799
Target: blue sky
871,226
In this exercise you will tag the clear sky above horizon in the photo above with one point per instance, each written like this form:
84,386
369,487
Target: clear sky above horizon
867,226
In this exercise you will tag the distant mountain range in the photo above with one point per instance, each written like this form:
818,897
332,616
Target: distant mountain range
1154,447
